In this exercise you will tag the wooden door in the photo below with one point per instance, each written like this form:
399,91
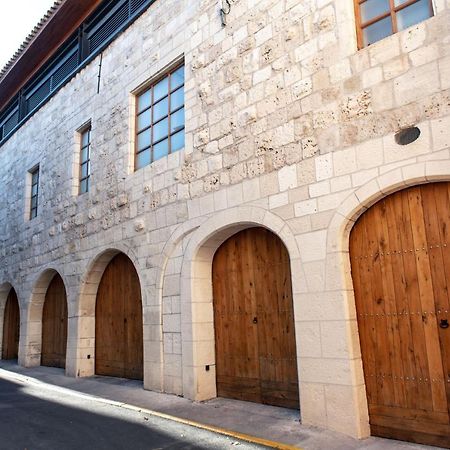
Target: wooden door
400,259
118,322
11,327
54,325
254,320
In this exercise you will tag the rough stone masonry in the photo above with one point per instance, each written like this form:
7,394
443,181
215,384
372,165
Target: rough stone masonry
288,126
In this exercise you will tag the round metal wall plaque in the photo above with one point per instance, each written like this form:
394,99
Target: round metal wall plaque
407,136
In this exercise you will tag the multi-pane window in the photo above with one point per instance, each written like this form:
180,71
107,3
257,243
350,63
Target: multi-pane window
160,119
377,19
34,192
85,160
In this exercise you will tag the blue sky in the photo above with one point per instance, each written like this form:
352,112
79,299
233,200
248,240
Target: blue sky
17,19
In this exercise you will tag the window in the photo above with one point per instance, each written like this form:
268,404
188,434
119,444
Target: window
85,160
160,119
377,19
34,192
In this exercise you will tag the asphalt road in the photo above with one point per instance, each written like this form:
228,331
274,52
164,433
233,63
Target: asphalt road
39,417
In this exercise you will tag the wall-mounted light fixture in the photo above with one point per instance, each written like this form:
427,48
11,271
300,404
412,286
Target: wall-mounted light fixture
224,11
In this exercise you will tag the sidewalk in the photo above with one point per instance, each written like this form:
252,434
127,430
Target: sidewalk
264,422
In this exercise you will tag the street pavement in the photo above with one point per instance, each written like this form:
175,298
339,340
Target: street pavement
103,412
36,417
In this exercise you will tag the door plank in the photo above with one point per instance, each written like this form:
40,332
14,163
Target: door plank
442,299
254,320
118,321
362,287
426,282
378,249
395,222
234,291
54,325
399,260
11,327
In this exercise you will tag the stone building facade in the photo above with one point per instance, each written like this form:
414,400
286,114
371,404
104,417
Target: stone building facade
288,126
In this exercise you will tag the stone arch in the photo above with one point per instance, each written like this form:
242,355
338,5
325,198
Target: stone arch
196,290
338,238
83,338
30,353
374,190
5,289
164,373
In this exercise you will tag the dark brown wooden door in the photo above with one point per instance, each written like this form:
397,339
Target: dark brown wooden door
400,258
118,322
254,320
54,325
11,327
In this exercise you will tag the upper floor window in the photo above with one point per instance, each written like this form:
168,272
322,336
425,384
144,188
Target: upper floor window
377,19
160,119
34,192
85,160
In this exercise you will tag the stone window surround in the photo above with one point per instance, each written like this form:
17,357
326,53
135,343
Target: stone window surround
86,161
392,13
28,185
85,130
159,68
167,115
75,186
346,25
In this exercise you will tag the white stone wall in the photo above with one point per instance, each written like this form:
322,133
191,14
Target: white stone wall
171,323
288,126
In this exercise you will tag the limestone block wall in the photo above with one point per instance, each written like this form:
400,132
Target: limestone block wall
171,322
288,126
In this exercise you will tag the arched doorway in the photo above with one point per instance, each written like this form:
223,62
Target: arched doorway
54,325
118,321
254,320
11,327
400,260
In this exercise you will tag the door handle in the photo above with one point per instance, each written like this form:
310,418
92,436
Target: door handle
444,323
255,320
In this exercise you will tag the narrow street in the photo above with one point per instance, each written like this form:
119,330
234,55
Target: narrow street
38,417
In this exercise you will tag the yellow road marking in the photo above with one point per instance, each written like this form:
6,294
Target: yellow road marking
214,429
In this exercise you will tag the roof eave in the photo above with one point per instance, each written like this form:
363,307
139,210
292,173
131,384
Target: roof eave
60,22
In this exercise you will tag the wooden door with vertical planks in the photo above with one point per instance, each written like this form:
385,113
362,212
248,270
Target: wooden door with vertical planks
11,327
54,325
400,259
118,321
254,320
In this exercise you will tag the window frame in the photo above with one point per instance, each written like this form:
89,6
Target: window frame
81,162
149,87
392,13
34,209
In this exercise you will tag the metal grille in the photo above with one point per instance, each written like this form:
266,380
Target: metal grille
11,123
64,71
38,96
107,29
10,118
135,5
